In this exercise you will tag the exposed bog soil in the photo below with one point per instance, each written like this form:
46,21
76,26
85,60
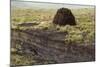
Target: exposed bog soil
46,47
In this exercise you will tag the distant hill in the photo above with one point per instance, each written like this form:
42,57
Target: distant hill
34,5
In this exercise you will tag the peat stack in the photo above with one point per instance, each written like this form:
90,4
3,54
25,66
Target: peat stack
63,17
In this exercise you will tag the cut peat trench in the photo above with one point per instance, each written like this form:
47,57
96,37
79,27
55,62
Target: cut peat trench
50,45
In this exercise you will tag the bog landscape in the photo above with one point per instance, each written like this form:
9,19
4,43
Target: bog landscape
47,33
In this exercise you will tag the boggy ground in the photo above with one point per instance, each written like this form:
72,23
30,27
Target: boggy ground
32,47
